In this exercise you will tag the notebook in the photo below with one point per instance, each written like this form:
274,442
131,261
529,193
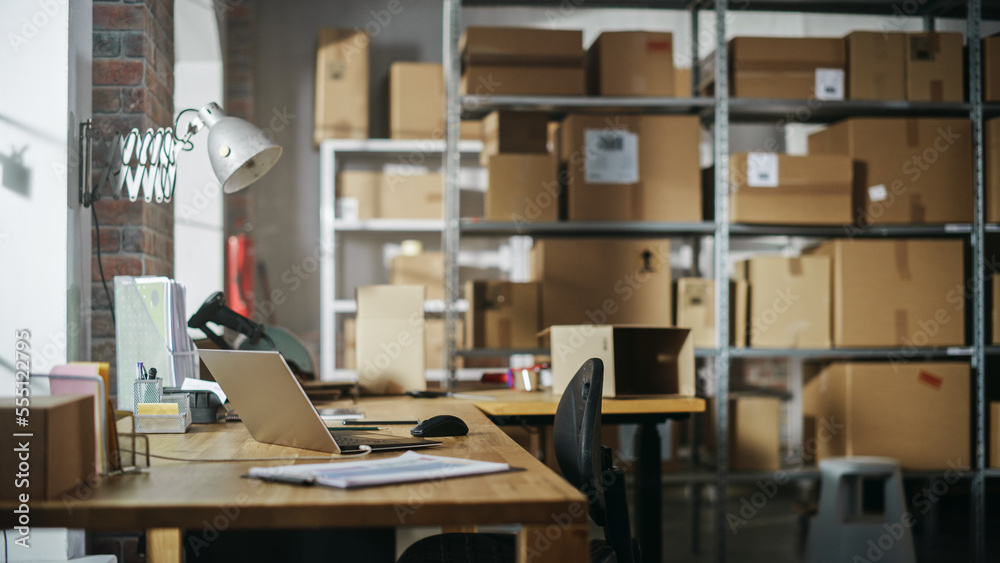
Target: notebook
276,410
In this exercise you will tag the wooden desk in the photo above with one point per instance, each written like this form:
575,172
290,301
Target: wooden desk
512,407
175,495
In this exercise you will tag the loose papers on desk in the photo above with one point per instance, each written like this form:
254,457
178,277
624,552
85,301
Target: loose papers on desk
411,466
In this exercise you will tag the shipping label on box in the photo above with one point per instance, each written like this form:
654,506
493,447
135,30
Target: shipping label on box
597,152
638,361
612,157
390,338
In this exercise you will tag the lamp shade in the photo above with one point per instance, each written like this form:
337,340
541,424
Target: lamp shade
239,151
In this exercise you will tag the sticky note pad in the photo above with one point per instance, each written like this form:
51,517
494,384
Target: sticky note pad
157,408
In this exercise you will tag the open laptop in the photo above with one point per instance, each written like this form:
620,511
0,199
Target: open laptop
277,411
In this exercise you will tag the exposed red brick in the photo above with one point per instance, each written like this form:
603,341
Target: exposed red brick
116,265
102,324
110,16
110,240
118,212
106,100
146,241
160,218
136,44
111,71
135,100
99,299
152,266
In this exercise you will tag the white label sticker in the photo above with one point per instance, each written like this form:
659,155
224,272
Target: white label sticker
612,157
877,193
829,84
762,170
349,208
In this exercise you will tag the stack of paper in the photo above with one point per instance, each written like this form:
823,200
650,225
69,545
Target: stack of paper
411,466
151,328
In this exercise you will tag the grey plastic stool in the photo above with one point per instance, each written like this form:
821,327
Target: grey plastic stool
841,530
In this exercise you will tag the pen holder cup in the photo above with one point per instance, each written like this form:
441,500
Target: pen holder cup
147,391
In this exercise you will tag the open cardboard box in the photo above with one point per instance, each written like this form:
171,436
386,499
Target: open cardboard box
638,360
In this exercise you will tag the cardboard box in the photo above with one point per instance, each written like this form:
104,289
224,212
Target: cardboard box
365,194
638,361
876,67
754,432
470,130
603,281
789,305
995,310
514,132
778,189
934,67
906,170
521,45
995,435
504,80
897,292
631,167
503,314
434,334
682,83
916,412
631,63
991,69
522,188
416,101
781,68
391,349
426,269
60,450
695,306
341,85
991,173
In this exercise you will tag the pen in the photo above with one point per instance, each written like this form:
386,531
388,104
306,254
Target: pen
353,428
356,422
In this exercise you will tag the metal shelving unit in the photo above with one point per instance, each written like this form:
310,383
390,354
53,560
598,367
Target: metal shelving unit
719,111
332,152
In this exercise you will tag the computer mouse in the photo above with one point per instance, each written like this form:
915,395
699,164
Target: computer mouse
440,425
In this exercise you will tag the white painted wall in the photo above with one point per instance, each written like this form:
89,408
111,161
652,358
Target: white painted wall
198,232
45,90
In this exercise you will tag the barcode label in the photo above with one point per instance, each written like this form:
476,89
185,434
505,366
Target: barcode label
829,84
762,170
877,193
612,157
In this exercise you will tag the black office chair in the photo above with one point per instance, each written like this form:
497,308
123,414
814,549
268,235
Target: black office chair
584,462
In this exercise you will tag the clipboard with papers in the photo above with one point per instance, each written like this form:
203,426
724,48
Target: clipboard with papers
409,467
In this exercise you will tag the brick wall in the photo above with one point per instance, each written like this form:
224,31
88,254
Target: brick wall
133,88
238,58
